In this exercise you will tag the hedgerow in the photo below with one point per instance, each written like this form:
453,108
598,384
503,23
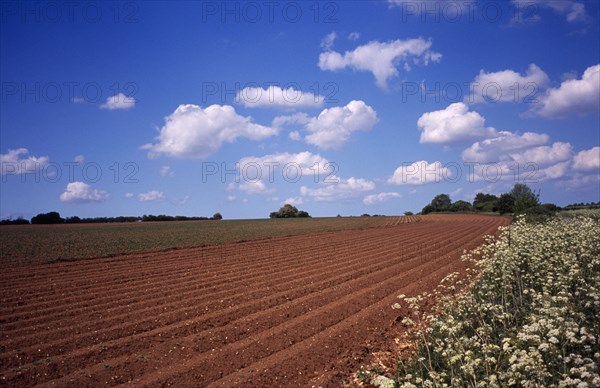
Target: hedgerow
531,317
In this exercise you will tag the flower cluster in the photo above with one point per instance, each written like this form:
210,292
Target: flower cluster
531,317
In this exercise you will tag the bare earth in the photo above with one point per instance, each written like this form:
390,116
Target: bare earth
301,310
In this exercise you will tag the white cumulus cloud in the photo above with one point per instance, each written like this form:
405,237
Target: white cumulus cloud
276,97
80,192
508,85
18,161
544,155
288,164
419,173
119,101
342,190
334,126
380,198
195,132
496,148
166,171
250,187
587,160
151,196
453,124
328,40
572,97
381,58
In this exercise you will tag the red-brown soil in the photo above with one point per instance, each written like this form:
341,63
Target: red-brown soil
288,311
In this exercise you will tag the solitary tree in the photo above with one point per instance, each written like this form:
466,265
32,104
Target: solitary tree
289,211
524,197
217,216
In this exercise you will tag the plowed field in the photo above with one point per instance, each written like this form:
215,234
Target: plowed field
297,310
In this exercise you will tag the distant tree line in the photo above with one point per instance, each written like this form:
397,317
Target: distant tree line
289,211
55,218
521,199
581,205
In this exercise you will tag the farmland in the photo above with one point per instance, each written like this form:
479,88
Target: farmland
289,310
47,243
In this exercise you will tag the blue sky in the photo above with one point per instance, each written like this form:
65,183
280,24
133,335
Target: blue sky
340,107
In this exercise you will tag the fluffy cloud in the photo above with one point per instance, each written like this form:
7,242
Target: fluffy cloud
80,192
17,162
380,198
302,163
496,148
119,101
150,196
193,132
380,58
528,10
354,36
508,85
544,155
343,189
522,157
328,40
166,171
276,97
295,119
573,97
295,135
334,126
453,124
419,173
250,187
79,159
587,160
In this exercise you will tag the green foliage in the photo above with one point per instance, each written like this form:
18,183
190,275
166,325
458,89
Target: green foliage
530,319
289,211
441,202
427,209
485,202
524,197
217,216
18,221
48,218
461,206
593,213
506,203
408,213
